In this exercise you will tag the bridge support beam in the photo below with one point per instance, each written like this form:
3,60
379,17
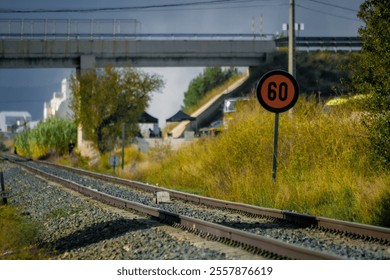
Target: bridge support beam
87,62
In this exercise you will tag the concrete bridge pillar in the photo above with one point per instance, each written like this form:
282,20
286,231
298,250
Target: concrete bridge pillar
87,62
85,147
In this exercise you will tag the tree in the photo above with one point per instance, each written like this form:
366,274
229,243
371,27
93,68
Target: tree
209,79
104,99
372,74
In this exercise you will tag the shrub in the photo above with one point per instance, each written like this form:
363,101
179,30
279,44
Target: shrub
53,135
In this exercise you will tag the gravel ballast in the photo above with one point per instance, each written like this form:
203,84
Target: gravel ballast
344,246
77,228
317,239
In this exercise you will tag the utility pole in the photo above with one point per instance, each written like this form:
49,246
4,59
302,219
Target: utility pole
291,39
261,25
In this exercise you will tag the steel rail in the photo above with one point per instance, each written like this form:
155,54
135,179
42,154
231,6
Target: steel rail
264,244
351,228
362,230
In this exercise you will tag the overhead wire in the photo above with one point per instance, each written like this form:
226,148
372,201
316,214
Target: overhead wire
194,5
144,7
333,5
191,6
327,13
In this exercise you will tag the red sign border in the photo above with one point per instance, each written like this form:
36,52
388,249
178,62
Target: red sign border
282,73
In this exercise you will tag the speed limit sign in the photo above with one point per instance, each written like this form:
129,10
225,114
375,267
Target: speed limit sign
277,91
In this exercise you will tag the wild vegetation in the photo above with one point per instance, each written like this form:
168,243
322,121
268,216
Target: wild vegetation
51,136
324,165
211,78
370,75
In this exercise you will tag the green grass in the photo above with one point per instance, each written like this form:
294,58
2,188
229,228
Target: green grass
19,237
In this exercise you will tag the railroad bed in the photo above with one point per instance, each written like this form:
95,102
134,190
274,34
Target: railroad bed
75,227
267,223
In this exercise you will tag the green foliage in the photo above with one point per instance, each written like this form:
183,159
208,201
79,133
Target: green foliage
53,135
321,73
103,100
210,78
318,73
371,76
323,164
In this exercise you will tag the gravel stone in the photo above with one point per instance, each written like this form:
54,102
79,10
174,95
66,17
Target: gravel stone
75,228
96,219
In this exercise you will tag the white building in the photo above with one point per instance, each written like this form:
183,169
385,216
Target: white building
11,121
59,104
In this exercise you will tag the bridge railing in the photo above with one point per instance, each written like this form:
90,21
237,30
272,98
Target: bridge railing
323,43
124,29
66,29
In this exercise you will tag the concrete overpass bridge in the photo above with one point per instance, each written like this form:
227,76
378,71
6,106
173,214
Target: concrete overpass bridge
87,53
90,44
86,44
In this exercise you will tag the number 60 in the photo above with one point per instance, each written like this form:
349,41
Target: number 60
281,94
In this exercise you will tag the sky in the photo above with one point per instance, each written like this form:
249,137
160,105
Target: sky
27,89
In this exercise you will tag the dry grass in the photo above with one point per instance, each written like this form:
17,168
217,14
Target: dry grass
324,166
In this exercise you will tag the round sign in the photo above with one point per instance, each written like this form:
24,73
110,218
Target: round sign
277,91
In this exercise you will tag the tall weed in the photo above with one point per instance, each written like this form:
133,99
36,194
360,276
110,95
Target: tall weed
53,135
324,165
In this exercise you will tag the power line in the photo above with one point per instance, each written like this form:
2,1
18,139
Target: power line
195,5
326,13
333,5
129,8
220,7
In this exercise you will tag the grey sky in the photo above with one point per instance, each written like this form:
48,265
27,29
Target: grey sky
27,89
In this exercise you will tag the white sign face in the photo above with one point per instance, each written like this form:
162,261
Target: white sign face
114,161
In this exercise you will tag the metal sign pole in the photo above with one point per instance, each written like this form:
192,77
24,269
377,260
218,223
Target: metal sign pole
275,154
123,146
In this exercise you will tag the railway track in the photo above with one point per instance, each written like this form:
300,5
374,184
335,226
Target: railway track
270,232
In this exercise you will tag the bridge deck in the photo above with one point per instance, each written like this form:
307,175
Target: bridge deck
70,43
85,53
